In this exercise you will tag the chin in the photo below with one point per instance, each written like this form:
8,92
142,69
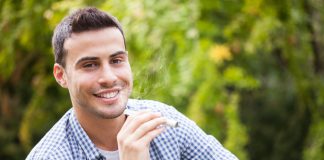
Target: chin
110,113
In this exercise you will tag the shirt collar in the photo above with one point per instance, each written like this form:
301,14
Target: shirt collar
83,139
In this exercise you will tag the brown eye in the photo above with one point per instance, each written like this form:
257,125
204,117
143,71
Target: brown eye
90,65
116,61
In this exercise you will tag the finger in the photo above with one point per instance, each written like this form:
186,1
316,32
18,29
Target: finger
148,126
135,121
126,134
130,118
140,119
145,140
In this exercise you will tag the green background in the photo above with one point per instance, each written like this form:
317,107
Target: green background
249,72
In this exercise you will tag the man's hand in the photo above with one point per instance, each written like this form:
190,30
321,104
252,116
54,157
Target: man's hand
136,134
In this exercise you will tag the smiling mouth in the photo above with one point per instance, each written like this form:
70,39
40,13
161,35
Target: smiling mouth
107,95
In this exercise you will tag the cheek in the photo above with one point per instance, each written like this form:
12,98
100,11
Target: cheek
83,82
126,74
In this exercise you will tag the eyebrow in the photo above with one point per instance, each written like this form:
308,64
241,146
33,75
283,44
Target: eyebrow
119,53
89,58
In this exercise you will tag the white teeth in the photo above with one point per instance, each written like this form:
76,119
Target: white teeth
109,95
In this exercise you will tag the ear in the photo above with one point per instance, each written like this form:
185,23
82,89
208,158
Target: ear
59,75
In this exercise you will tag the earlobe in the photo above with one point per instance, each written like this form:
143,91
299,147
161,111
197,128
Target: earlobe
59,75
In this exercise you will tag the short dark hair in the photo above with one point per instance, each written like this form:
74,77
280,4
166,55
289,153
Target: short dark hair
85,19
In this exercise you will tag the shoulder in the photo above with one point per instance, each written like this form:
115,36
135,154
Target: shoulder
156,106
137,104
54,141
186,140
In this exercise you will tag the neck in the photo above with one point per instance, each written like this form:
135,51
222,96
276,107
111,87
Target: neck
102,132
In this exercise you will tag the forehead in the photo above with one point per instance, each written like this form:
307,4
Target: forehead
109,35
106,40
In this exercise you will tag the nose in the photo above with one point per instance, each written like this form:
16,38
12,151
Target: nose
107,76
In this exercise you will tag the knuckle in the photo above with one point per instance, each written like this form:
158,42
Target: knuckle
143,128
119,138
133,147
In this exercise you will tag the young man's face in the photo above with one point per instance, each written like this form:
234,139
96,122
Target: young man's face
97,73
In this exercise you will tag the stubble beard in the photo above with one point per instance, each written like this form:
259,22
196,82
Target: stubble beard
114,110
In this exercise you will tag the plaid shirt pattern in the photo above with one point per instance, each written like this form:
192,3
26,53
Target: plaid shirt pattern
67,140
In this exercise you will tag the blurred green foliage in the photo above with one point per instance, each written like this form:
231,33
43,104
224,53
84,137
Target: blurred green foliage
249,72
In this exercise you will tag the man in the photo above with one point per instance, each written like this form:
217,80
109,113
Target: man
91,61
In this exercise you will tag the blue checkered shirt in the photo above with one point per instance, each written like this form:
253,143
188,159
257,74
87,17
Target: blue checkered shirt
67,140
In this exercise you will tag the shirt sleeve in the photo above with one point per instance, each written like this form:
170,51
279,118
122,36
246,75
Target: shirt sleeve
203,146
195,144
